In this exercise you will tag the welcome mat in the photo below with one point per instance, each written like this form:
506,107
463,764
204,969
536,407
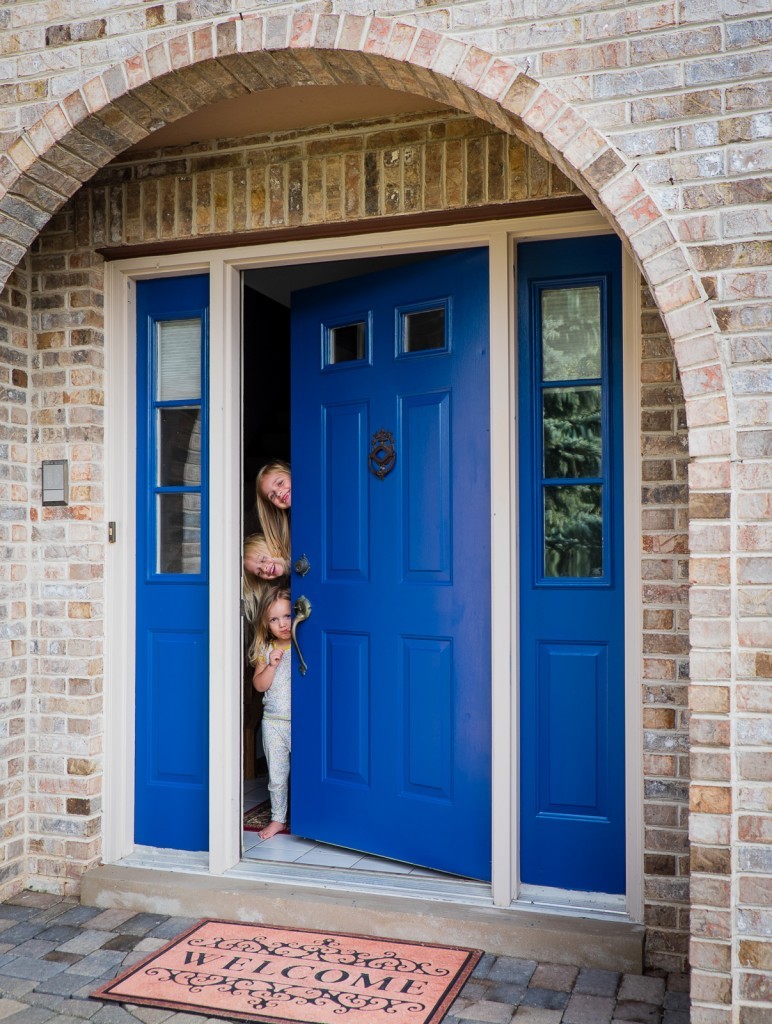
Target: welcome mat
258,817
258,972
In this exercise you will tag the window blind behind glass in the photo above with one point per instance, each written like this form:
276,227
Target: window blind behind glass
179,360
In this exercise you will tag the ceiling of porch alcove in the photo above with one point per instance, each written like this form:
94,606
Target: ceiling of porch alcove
285,109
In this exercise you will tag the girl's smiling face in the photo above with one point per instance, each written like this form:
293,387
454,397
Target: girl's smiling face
264,566
276,487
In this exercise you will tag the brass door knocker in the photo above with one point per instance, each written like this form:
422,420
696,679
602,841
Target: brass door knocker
383,455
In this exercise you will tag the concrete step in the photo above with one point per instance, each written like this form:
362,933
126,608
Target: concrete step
610,944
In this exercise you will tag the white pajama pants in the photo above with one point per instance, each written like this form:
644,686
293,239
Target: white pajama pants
277,734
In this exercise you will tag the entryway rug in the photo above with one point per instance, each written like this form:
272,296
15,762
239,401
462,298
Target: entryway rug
264,973
258,817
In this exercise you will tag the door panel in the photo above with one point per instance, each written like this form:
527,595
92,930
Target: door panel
573,701
426,500
571,564
172,612
347,509
427,682
391,725
347,720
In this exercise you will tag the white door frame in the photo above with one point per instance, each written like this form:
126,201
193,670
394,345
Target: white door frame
224,267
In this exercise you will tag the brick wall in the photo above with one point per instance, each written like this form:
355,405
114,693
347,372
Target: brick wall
15,549
665,594
408,165
66,564
680,90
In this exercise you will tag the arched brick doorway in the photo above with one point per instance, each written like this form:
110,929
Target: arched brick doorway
89,127
252,53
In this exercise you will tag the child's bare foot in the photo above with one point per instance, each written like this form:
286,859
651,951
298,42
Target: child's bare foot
273,828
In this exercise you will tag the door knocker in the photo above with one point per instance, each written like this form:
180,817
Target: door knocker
382,453
302,566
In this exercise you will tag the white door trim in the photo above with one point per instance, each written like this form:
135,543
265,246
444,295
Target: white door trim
225,267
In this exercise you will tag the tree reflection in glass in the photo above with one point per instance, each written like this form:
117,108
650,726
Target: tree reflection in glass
572,431
571,335
573,530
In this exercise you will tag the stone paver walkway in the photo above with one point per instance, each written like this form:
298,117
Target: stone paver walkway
54,952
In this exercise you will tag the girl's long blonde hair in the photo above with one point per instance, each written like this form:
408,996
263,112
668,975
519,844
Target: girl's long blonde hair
254,591
275,522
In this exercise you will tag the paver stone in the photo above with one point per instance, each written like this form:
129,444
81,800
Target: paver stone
584,1009
536,1015
491,1013
642,989
9,1006
558,977
595,982
510,968
641,1013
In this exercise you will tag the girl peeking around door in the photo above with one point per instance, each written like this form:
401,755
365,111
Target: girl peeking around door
268,608
272,678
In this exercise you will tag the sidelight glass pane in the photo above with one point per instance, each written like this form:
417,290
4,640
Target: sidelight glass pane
179,533
179,446
572,431
347,343
423,330
179,359
573,530
571,333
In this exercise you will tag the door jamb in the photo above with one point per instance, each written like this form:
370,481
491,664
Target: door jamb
224,267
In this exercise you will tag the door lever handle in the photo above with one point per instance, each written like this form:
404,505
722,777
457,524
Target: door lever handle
302,609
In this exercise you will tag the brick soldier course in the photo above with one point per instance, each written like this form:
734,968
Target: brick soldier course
658,112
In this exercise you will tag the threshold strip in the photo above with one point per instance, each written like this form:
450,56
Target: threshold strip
450,890
461,891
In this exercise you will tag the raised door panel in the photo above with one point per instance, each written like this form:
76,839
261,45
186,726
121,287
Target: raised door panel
427,523
346,489
428,702
347,708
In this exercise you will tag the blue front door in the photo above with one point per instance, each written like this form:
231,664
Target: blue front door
390,459
571,560
172,609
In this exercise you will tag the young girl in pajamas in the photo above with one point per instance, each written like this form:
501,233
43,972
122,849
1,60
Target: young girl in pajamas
271,658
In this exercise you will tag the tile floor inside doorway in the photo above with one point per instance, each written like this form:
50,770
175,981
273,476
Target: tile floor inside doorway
289,849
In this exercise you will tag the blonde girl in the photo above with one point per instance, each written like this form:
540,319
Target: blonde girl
261,567
272,679
273,493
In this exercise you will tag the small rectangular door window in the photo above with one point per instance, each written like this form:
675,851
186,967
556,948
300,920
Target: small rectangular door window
571,332
346,343
176,446
424,327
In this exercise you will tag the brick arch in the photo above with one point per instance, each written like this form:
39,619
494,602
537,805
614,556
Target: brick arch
233,56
